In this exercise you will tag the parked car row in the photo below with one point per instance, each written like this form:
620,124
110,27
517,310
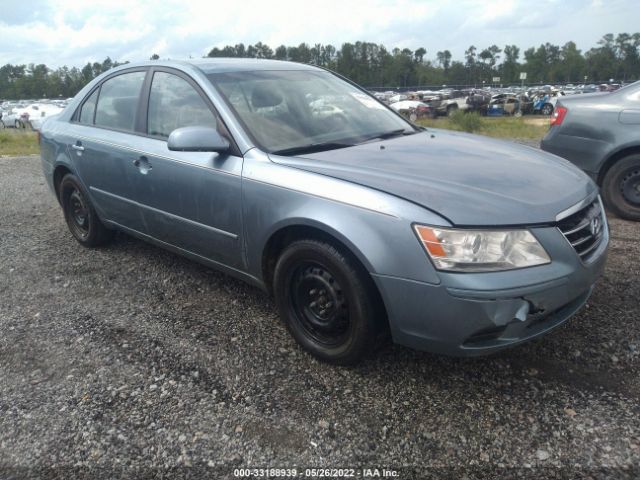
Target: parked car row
29,114
513,100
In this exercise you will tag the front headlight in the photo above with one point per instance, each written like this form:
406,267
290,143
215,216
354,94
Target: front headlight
481,250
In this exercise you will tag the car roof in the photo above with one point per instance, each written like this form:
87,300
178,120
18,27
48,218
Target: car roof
226,65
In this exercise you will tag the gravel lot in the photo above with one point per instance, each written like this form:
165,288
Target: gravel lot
129,361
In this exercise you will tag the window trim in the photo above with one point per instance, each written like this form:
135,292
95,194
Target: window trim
140,124
76,115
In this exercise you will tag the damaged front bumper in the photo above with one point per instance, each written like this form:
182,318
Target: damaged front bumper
476,314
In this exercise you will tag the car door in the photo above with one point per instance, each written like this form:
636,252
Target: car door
191,200
102,137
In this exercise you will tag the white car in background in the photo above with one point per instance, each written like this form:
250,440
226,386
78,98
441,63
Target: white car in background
12,119
35,113
398,98
412,109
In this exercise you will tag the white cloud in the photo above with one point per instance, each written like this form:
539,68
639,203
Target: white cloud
73,32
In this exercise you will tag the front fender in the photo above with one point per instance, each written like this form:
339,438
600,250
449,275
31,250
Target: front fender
382,238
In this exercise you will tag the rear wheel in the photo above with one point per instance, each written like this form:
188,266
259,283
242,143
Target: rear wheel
326,301
81,217
451,109
621,188
547,109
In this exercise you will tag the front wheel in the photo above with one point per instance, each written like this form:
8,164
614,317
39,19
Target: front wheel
326,301
547,109
621,188
81,217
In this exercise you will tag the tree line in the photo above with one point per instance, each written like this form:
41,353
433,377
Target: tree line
370,64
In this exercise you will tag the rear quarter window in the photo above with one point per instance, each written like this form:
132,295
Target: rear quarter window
88,109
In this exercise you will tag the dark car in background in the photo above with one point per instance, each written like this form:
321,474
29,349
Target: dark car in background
600,133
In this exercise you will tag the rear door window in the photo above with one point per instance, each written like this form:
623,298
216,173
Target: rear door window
118,101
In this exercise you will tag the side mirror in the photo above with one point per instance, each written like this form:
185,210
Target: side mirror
197,139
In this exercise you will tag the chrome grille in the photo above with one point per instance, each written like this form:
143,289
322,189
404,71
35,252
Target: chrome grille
585,229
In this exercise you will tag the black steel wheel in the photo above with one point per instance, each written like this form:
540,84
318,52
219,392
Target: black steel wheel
327,301
621,188
81,217
319,303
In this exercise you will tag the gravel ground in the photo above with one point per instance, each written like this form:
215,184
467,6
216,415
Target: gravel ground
129,361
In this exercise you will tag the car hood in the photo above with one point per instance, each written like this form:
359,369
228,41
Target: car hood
468,179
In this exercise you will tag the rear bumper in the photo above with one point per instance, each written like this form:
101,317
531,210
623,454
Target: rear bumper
481,320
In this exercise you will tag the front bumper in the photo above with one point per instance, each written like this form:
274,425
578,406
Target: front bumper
475,314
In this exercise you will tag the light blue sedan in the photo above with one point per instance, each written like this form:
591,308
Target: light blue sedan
358,222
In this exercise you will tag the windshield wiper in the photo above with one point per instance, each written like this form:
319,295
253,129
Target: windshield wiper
387,135
311,148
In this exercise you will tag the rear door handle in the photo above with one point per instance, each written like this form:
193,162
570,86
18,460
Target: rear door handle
78,147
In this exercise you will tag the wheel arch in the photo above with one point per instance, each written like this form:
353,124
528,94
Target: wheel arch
614,157
286,234
59,171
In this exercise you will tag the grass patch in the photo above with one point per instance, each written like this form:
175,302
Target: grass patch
499,127
471,122
18,142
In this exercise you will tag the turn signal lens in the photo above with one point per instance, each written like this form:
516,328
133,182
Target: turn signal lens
481,250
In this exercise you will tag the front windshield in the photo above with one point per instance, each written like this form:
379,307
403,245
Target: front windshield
289,110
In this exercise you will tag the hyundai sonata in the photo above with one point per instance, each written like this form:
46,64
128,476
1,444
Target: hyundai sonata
294,179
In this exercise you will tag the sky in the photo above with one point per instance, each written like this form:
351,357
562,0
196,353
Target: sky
74,32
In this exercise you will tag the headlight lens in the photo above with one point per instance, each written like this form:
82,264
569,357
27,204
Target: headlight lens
481,250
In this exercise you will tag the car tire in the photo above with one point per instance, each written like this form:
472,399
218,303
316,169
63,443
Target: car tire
17,124
621,188
451,109
2,125
327,302
80,215
547,109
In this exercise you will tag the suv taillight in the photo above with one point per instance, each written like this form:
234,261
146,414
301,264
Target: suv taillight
558,116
